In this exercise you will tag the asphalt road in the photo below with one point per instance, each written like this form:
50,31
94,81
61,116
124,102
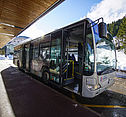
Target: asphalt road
30,98
111,103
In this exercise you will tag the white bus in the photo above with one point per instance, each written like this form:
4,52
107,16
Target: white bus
79,57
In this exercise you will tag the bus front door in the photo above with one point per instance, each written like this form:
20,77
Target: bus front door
73,58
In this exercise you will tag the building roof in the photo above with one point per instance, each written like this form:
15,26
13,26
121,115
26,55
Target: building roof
18,15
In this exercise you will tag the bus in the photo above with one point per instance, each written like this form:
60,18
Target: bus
79,57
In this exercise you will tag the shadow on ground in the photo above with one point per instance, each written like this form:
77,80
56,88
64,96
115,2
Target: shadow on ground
31,98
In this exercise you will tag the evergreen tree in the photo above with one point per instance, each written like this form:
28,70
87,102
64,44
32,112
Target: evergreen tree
114,27
122,34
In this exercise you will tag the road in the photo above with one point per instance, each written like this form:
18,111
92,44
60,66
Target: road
111,103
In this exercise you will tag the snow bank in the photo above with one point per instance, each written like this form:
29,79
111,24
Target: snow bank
121,60
2,57
9,57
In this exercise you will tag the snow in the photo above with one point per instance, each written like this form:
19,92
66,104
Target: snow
2,57
9,57
121,60
105,55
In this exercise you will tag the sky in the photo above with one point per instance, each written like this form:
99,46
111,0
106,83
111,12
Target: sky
74,10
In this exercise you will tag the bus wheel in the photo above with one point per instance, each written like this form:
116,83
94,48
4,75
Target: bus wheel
45,76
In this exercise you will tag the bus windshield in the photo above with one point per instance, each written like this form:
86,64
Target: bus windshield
105,56
89,53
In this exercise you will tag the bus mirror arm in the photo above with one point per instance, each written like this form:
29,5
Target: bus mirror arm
94,22
102,27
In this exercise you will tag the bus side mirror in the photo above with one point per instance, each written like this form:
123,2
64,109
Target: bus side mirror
102,28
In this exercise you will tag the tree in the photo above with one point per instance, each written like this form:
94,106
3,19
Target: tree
114,27
122,34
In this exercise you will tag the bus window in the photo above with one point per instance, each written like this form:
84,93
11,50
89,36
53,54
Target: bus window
55,58
27,46
89,53
35,51
45,51
45,48
105,58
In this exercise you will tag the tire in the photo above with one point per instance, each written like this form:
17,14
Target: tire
45,76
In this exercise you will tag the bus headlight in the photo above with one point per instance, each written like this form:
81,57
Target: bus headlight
91,87
92,84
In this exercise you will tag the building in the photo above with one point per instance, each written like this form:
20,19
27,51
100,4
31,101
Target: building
9,47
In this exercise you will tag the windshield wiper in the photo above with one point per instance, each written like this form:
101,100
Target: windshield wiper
107,70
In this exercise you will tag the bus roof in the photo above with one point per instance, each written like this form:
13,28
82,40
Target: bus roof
63,28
